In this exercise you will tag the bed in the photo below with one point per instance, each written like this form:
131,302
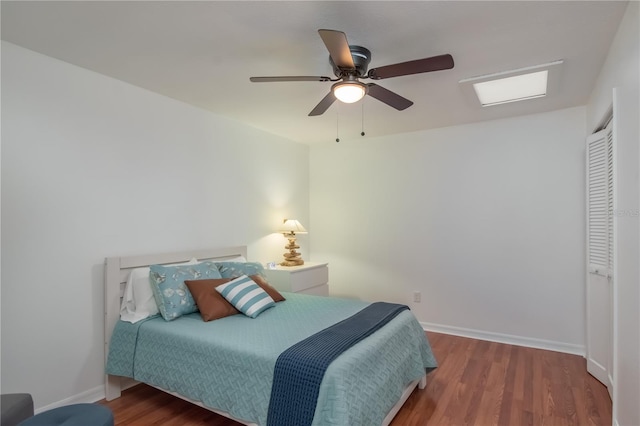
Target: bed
206,363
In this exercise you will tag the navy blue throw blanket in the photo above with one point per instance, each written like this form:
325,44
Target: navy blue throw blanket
299,370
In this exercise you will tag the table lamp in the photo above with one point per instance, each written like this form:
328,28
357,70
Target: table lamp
289,228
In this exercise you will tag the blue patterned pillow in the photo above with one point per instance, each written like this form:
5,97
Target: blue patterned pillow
237,269
171,293
246,296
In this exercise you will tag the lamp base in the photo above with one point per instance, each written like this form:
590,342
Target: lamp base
292,262
292,257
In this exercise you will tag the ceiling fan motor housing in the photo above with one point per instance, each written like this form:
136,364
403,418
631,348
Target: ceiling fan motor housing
361,58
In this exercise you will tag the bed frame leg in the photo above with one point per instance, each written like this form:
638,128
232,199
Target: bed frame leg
423,382
112,387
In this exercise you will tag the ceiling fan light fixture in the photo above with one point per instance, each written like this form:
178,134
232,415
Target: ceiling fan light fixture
349,91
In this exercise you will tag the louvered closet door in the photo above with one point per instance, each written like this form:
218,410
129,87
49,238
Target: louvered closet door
600,235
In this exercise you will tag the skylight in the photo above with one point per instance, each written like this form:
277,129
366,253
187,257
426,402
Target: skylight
512,86
512,89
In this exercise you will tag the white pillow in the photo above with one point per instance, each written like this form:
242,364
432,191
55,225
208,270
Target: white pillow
138,302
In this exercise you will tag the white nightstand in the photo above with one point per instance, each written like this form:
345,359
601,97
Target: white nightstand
310,278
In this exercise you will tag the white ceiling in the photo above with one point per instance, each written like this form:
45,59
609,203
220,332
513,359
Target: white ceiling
204,52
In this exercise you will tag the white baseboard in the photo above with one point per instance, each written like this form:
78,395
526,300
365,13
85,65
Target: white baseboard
506,338
88,396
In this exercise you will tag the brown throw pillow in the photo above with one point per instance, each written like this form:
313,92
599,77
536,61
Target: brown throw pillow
210,303
258,279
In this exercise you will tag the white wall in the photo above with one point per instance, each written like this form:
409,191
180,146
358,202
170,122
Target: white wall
486,220
621,72
93,167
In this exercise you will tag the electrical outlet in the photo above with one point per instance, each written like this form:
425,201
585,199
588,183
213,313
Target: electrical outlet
417,296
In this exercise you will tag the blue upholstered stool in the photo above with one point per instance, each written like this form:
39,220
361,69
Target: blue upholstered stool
73,415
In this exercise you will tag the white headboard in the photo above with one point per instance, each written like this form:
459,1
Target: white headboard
116,273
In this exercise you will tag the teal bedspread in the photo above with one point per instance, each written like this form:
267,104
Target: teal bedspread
228,364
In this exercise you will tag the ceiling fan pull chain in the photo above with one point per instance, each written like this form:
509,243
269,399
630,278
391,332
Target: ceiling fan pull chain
362,132
337,127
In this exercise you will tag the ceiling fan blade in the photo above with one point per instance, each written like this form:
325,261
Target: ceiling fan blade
324,105
388,97
435,63
289,78
338,47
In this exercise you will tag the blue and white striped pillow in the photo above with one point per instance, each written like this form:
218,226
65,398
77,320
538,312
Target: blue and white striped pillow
247,296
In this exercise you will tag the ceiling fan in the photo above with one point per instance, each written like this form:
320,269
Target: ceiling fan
350,65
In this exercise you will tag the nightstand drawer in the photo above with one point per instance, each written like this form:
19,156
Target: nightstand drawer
299,278
320,290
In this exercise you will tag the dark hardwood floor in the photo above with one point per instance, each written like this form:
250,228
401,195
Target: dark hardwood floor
476,383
